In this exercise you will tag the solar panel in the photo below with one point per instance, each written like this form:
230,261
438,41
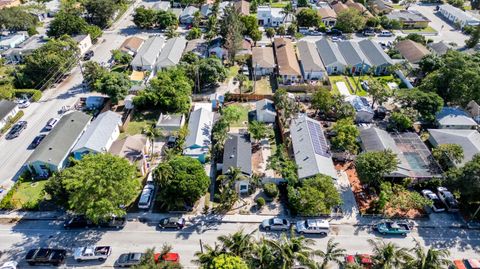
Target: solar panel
319,142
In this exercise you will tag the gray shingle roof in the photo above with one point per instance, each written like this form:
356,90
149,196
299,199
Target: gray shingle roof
374,53
199,128
308,56
439,48
454,116
407,16
171,52
352,53
98,133
469,140
56,147
6,107
189,11
312,153
238,153
265,106
329,52
149,51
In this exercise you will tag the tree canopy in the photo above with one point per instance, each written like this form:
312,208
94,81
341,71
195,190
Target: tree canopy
427,104
114,84
231,29
448,155
350,20
17,19
225,261
466,180
346,134
308,18
373,166
100,12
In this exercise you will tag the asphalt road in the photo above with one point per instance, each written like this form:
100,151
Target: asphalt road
18,238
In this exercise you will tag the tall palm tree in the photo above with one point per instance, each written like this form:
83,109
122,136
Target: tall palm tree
287,10
152,133
388,255
293,250
205,258
332,254
428,259
228,194
239,243
263,256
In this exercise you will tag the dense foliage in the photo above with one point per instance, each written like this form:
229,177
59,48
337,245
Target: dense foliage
427,104
17,19
373,166
345,138
448,155
350,20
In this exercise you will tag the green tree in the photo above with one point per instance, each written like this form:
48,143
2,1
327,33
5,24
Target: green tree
211,28
292,30
231,29
166,19
457,3
466,181
92,71
144,18
99,185
256,36
308,18
182,181
379,93
281,163
373,166
250,24
332,254
448,155
287,10
281,31
415,37
350,20
428,104
315,196
67,24
121,57
225,261
194,33
346,136
6,91
400,122
211,71
152,133
231,114
197,19
94,31
388,255
294,250
474,38
263,256
258,130
17,19
239,243
227,195
206,257
100,12
428,259
429,63
322,101
302,3
171,32
270,32
115,85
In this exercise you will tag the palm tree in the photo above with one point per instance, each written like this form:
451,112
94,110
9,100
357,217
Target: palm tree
152,133
287,10
239,243
263,256
388,255
228,194
332,254
429,259
293,250
205,258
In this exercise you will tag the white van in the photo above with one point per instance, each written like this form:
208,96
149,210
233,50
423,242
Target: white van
312,226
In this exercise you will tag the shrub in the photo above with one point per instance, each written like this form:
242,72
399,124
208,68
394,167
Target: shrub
34,95
260,202
271,190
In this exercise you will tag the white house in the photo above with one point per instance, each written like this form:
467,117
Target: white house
454,118
265,111
146,57
84,43
363,112
310,62
197,143
8,109
328,15
456,15
272,17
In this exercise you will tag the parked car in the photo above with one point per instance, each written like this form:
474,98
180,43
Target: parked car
437,205
170,257
88,55
23,103
64,109
80,221
171,141
129,259
365,85
312,226
369,32
473,263
334,32
172,223
385,33
16,130
51,123
315,33
393,227
448,199
46,256
91,253
146,197
36,141
275,224
364,260
9,265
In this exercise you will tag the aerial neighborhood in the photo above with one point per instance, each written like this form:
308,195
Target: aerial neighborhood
240,134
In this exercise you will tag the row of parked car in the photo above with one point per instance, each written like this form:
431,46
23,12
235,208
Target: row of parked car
442,201
80,221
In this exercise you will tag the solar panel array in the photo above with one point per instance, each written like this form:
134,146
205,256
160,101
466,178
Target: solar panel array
319,142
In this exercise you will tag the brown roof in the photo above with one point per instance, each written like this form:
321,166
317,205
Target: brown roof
327,13
358,7
132,44
263,57
339,6
243,7
412,51
286,58
131,148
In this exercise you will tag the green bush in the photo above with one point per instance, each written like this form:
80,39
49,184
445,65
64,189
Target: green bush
260,202
34,95
271,190
11,122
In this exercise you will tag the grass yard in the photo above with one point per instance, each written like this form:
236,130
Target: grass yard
429,29
398,6
28,193
243,121
334,80
139,120
355,82
233,71
263,86
279,4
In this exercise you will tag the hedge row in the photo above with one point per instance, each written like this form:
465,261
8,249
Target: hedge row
34,95
11,122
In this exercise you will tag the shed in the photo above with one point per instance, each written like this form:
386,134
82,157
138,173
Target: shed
170,123
265,111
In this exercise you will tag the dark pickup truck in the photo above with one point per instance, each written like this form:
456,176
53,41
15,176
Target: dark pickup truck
46,256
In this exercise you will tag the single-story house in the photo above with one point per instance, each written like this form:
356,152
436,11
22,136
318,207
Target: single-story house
99,136
8,110
52,154
133,148
146,58
198,141
206,9
170,123
454,118
187,15
354,57
288,68
310,63
265,111
162,5
216,48
363,111
469,140
237,153
242,6
331,56
473,110
263,62
132,45
456,15
328,15
359,7
439,48
197,46
409,19
311,149
412,51
171,53
84,43
339,7
376,56
18,53
12,41
381,7
272,17
414,158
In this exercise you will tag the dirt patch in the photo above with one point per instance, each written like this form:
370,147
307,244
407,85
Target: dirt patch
9,220
257,160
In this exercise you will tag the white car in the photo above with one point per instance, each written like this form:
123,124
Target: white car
437,205
312,226
448,199
9,265
146,197
385,33
275,224
51,123
23,103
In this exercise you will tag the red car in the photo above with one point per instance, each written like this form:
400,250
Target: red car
361,259
169,257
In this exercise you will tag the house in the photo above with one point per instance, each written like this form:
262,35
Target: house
414,158
288,68
272,17
197,143
328,15
265,111
206,9
52,154
133,148
456,15
409,19
380,7
176,11
84,42
355,60
242,6
473,110
146,57
12,41
217,49
359,7
378,59
454,118
8,110
263,62
197,46
10,3
132,45
170,124
237,153
439,48
469,140
94,102
246,48
412,51
99,136
310,63
331,57
339,7
187,15
363,111
310,147
171,53
18,53
162,6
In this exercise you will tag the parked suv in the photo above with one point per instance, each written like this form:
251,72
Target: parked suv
448,199
146,197
16,130
172,223
312,226
51,123
46,256
437,205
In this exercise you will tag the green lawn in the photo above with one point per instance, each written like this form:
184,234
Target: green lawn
467,7
334,80
355,82
279,4
233,71
29,192
424,30
243,121
263,86
398,6
138,122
